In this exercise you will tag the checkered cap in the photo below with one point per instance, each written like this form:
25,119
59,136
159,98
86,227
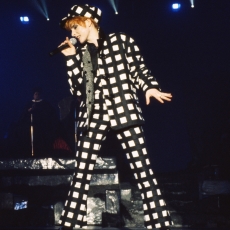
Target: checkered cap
85,11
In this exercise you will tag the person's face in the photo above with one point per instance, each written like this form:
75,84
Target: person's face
37,96
81,32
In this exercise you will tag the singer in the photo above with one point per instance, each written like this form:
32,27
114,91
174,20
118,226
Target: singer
106,71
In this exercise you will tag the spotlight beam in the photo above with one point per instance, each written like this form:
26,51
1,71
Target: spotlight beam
41,7
192,3
112,3
44,7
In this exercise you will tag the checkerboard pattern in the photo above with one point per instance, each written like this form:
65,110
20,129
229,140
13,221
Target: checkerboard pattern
133,142
155,212
84,11
121,72
89,144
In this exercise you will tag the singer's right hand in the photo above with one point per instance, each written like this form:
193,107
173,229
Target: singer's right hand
68,51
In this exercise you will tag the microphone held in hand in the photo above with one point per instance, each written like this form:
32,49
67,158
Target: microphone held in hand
60,48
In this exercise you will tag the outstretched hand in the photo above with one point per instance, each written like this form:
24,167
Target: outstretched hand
160,96
68,51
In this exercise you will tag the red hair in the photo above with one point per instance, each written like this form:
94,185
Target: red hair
80,20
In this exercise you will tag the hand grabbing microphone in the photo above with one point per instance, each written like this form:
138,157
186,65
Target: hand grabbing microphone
62,47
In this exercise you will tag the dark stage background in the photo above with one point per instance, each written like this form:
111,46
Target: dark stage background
187,51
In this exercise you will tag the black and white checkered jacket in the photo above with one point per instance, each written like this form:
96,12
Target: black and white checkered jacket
121,71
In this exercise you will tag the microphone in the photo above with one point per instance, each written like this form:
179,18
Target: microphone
60,48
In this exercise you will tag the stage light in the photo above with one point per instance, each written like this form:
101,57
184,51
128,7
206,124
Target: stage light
24,19
114,4
192,3
176,6
41,6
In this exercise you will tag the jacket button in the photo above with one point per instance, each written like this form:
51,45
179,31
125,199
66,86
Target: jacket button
103,56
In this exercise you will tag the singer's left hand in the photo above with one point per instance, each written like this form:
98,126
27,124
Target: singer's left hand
160,96
68,51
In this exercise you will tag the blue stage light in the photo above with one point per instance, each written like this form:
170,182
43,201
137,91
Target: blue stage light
176,6
25,19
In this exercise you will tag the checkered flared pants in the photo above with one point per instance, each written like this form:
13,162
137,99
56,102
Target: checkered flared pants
133,142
